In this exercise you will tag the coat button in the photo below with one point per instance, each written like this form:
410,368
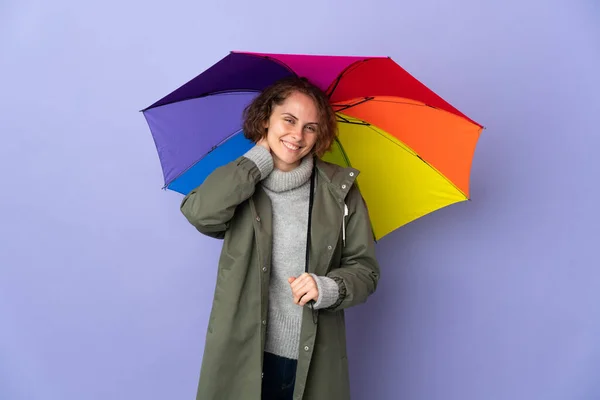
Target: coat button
329,247
343,186
258,218
351,173
264,322
306,348
264,269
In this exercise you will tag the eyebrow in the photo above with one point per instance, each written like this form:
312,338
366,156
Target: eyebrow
296,118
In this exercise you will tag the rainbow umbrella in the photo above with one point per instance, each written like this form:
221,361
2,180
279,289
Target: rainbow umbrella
414,150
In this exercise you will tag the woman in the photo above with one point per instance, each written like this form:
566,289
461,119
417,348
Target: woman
276,329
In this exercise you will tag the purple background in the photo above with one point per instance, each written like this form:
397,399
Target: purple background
105,289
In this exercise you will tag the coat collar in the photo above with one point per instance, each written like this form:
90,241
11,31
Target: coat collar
339,179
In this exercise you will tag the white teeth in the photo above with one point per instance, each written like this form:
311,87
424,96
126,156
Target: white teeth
290,146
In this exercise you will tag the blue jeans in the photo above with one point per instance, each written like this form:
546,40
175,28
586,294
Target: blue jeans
279,377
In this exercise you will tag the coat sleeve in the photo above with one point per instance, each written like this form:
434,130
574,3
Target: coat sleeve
210,206
359,271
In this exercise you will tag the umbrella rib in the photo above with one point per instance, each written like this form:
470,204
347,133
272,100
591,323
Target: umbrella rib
349,68
217,92
347,106
275,60
347,121
374,99
409,103
346,159
380,100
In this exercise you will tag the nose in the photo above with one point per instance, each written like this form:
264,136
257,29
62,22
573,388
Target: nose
297,132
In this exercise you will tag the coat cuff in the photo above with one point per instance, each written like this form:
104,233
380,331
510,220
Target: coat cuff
329,292
262,158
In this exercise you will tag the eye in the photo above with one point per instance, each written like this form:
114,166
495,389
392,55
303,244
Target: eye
289,120
311,128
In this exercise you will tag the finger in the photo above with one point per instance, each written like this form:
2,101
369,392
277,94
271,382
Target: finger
291,279
311,295
305,295
298,295
302,287
295,281
301,291
301,280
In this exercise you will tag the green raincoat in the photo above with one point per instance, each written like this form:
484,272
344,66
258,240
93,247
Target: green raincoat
231,205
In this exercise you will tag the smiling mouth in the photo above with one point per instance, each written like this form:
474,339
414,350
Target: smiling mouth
290,146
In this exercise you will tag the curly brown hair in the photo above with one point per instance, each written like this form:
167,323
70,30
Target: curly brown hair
259,111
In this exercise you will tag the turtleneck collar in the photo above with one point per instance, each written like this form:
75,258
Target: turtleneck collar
280,181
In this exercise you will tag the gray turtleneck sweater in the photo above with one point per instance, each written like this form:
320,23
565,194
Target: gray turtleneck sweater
289,194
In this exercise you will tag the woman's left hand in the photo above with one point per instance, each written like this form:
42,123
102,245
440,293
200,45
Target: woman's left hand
304,289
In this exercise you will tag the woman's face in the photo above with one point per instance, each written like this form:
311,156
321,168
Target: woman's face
292,130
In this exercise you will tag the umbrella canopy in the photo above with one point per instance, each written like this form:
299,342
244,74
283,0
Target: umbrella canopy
414,149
